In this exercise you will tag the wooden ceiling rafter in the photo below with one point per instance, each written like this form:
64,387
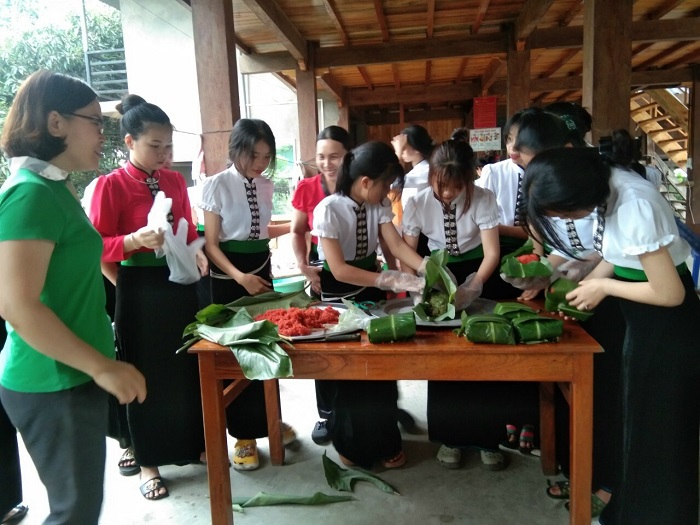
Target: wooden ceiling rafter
335,18
365,76
663,9
689,58
395,76
428,67
430,22
529,18
286,80
271,14
491,74
483,8
381,19
571,13
660,55
462,69
330,84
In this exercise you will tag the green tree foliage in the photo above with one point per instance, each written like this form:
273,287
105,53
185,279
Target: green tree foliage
46,34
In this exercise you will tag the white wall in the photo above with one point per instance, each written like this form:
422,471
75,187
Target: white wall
161,67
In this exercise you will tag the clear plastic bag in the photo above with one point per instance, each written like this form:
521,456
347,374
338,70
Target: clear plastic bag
180,256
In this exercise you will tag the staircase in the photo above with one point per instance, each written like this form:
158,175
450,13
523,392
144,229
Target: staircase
664,119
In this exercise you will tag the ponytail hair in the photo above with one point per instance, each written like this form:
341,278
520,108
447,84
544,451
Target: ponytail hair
375,160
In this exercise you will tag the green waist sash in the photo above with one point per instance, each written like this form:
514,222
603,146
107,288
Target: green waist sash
200,227
639,275
256,246
469,255
366,263
144,259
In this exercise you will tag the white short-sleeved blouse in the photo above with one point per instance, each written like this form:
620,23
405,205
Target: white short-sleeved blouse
502,179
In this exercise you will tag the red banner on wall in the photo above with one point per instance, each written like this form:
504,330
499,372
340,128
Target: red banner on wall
485,112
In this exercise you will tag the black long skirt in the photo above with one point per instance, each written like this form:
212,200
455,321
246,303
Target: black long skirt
246,416
661,414
463,413
150,316
363,421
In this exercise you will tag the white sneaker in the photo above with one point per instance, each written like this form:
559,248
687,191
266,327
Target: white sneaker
449,457
491,460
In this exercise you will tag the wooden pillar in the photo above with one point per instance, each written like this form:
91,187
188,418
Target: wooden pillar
518,63
693,149
217,78
607,64
343,116
307,109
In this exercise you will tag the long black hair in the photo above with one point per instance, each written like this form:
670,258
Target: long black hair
578,121
419,139
337,134
562,180
375,160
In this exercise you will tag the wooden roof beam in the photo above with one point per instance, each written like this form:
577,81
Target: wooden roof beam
565,57
666,52
335,18
330,84
530,16
462,69
571,14
287,81
430,23
365,77
663,9
381,19
428,67
272,16
414,94
483,7
491,74
395,75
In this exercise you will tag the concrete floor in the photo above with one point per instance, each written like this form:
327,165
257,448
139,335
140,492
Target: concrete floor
430,494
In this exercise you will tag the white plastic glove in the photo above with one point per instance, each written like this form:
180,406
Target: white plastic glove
468,291
531,283
421,269
397,281
576,270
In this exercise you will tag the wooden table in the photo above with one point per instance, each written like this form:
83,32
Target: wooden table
434,355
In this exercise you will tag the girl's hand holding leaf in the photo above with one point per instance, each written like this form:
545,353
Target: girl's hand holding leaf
468,291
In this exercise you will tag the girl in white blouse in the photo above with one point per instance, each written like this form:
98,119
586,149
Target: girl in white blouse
363,422
644,266
237,206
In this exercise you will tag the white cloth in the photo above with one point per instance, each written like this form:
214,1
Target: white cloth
502,179
654,175
423,214
194,193
584,229
638,220
225,195
416,180
335,218
40,167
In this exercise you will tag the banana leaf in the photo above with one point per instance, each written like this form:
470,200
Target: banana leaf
395,327
512,267
555,299
344,478
511,310
264,499
527,247
487,328
254,343
538,329
436,276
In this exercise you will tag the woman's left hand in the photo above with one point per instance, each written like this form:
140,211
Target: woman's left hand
202,263
588,295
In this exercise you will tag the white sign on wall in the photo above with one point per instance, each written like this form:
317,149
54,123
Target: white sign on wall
485,139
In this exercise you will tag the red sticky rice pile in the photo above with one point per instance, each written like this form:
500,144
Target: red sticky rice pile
299,321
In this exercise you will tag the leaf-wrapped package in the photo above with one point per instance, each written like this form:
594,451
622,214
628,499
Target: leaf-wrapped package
511,266
555,299
538,329
396,327
484,328
512,310
437,305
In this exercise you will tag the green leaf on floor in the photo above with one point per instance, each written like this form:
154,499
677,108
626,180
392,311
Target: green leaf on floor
263,499
341,478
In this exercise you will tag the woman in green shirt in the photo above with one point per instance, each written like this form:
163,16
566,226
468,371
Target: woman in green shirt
58,362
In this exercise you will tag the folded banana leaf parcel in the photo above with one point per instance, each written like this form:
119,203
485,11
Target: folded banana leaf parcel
524,263
487,328
537,329
438,301
555,299
513,310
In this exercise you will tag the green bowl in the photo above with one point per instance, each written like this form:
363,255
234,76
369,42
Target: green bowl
289,284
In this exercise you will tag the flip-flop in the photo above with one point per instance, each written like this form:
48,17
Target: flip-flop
153,485
564,489
16,514
399,460
527,435
125,468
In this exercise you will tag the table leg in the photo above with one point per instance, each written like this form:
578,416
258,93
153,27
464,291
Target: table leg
215,442
547,426
581,439
274,420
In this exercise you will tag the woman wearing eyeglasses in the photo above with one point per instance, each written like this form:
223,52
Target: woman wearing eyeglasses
58,362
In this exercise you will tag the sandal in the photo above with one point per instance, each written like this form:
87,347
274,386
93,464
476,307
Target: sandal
150,489
16,514
597,506
399,460
564,489
527,436
127,464
512,441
